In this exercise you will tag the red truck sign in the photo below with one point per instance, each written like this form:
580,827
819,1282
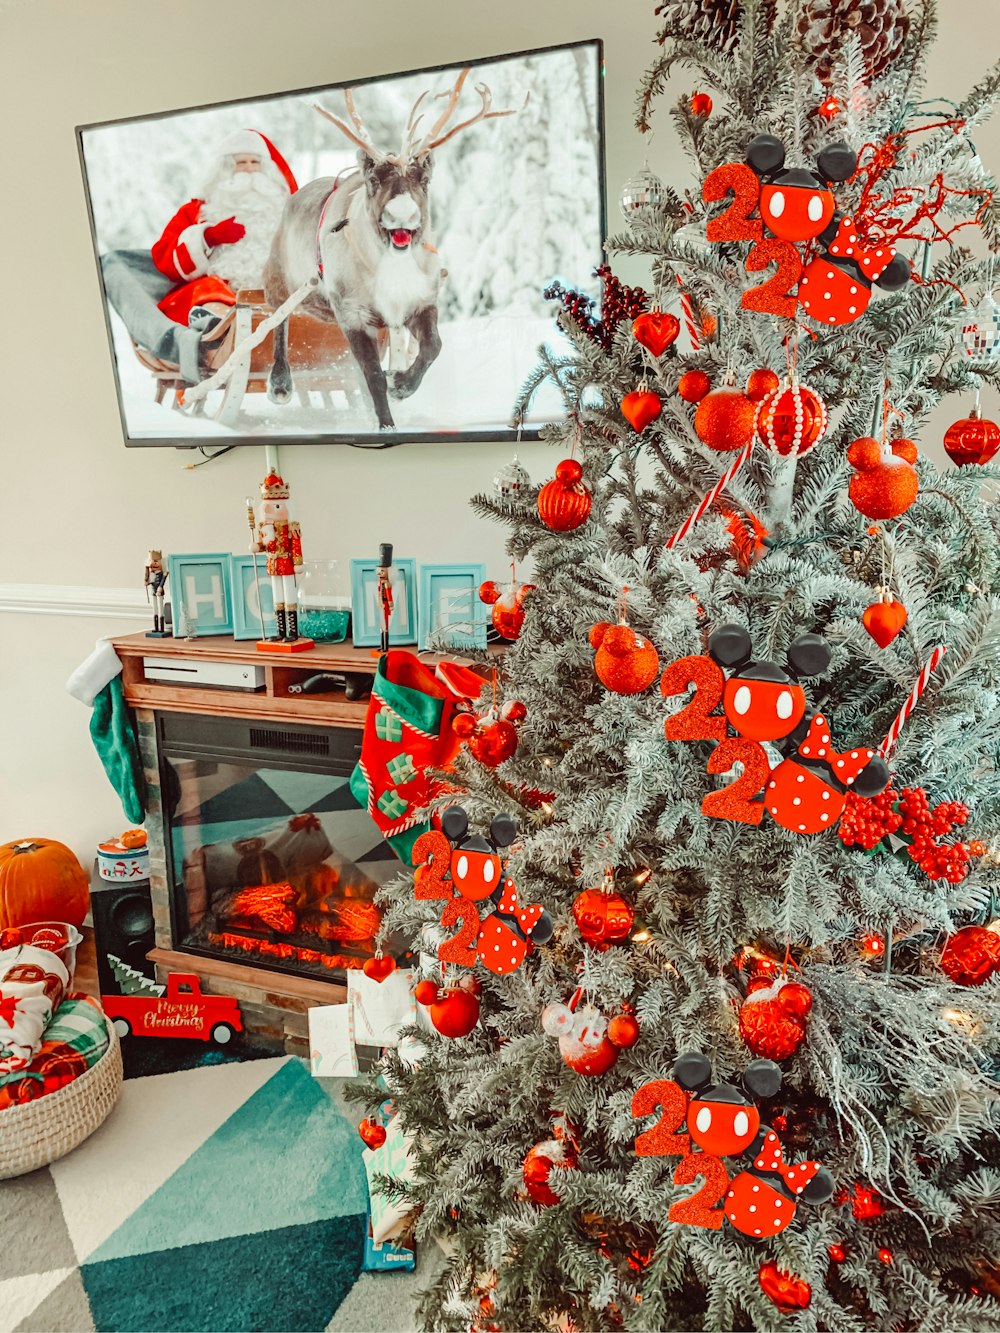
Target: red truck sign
182,1012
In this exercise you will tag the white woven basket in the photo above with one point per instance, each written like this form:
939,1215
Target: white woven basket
41,1131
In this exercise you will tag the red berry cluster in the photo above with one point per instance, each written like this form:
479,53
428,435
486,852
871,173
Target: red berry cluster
866,821
618,303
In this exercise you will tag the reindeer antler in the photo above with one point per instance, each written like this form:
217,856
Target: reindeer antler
434,137
361,137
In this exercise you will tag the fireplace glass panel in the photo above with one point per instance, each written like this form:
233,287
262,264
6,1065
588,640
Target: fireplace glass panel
272,864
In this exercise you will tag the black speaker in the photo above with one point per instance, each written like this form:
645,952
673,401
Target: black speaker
123,926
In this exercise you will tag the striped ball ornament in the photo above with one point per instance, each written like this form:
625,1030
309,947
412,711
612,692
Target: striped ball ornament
791,420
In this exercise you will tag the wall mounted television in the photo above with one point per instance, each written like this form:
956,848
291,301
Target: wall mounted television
362,263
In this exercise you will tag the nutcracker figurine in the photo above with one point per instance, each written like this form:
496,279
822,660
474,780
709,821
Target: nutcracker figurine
156,581
281,541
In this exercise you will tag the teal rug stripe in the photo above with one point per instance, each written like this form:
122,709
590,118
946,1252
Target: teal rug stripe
287,1157
291,1280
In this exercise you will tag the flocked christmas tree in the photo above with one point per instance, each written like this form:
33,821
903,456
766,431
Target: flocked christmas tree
761,852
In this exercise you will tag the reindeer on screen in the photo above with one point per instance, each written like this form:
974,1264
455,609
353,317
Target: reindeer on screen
368,237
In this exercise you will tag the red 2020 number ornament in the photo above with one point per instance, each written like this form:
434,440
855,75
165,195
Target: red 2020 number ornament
733,801
694,722
661,1140
735,222
698,1210
775,296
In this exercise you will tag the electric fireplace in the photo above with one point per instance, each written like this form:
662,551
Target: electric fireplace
269,859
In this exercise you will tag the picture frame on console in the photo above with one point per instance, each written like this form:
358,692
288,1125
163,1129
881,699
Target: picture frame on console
366,608
253,598
451,617
201,594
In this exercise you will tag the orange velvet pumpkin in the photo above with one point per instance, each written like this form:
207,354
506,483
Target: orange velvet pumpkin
41,880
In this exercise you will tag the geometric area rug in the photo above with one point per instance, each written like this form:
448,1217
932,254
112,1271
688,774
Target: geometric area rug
224,1197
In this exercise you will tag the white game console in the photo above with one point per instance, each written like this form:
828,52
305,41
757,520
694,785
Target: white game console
217,675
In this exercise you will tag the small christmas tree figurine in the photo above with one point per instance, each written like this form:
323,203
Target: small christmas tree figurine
783,1106
131,982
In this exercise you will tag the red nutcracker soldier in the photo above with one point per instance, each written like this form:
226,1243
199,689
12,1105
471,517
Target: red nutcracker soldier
280,538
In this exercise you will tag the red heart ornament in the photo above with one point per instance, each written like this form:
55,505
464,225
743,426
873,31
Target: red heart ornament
783,1289
884,620
379,968
372,1132
640,408
656,331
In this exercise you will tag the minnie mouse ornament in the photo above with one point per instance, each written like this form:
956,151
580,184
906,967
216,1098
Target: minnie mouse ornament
885,483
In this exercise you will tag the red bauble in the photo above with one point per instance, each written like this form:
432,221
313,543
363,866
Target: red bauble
372,1132
724,419
493,744
514,711
425,992
625,662
489,592
655,331
884,484
972,440
791,420
623,1031
693,385
455,1012
701,105
590,1061
507,603
603,917
773,1017
640,408
787,1292
971,956
508,620
544,1158
379,968
761,383
463,724
884,620
563,508
569,471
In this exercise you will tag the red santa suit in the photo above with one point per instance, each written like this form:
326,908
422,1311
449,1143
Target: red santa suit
182,252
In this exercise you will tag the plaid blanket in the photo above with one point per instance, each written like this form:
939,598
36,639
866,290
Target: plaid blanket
74,1040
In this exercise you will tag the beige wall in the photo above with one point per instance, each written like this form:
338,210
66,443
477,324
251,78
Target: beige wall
83,510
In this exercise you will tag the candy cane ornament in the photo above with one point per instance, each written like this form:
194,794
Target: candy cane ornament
889,744
712,495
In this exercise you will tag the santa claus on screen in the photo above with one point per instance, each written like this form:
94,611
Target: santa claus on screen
214,246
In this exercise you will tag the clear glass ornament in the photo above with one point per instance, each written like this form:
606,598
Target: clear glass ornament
324,603
981,330
512,480
557,1019
643,195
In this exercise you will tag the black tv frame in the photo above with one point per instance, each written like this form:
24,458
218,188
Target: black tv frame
370,439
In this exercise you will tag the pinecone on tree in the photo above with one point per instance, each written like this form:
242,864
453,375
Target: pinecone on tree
880,25
714,22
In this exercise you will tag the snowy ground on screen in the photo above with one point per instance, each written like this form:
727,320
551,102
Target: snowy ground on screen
470,387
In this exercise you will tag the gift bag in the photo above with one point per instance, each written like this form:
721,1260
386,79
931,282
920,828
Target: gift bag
407,732
389,1221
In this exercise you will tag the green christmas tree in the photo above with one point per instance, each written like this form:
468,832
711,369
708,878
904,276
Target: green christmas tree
734,914
131,981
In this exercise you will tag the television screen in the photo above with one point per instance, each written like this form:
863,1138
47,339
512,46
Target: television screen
361,263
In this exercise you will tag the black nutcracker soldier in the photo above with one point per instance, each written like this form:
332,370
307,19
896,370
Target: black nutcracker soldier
155,582
723,1120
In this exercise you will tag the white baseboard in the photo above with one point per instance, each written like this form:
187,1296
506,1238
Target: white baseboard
53,599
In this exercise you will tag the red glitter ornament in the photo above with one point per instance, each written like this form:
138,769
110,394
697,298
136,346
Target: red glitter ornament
791,420
760,384
625,661
544,1158
603,917
972,440
494,743
693,385
884,484
971,956
701,105
773,1017
787,1292
563,508
725,419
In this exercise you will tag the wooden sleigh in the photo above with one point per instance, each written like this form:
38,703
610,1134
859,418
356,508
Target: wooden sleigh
319,356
